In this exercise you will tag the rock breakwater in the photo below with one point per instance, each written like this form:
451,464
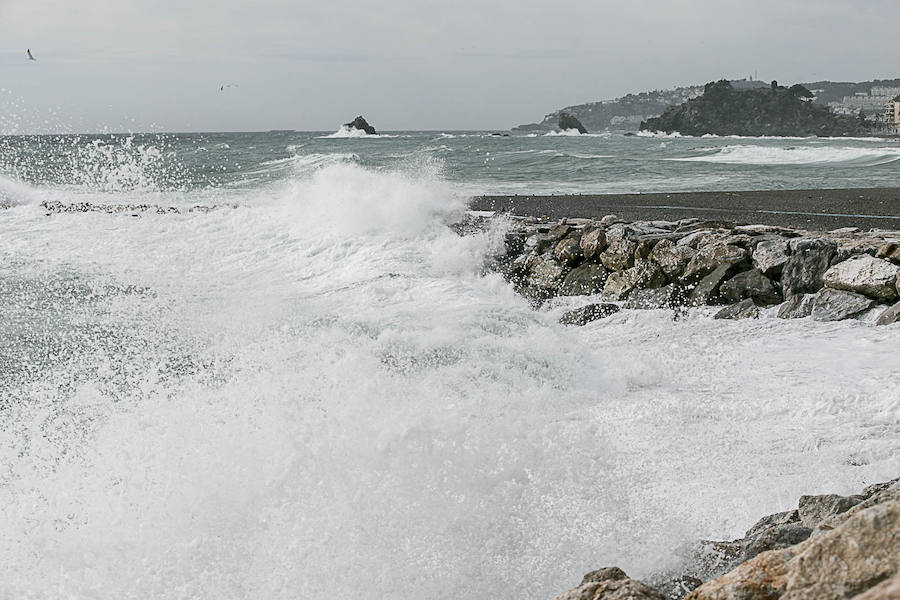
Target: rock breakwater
830,276
829,547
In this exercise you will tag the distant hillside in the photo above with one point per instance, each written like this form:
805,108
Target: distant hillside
777,110
627,113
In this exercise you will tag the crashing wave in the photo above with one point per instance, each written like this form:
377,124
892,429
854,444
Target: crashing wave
801,155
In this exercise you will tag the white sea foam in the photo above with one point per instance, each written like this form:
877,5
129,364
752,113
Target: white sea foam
256,402
15,193
862,156
353,132
658,134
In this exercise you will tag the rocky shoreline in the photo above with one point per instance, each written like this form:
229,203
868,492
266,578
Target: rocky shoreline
830,547
830,276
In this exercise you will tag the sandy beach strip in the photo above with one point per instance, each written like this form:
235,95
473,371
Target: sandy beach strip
807,209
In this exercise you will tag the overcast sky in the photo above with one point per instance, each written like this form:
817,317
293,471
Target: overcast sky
139,65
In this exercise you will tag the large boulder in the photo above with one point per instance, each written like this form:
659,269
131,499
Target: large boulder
751,284
643,275
546,274
890,316
814,510
619,255
585,279
804,271
586,314
568,251
709,258
361,124
707,291
769,256
837,305
873,277
745,309
593,242
610,583
673,258
667,296
797,306
567,121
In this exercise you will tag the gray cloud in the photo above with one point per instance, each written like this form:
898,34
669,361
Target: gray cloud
142,64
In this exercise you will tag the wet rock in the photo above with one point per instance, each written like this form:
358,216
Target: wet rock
545,273
619,255
672,258
593,242
864,274
845,230
610,583
854,247
804,271
642,252
568,251
586,314
797,306
890,316
751,284
668,296
643,275
361,124
774,520
775,538
860,552
745,309
836,305
585,279
814,510
604,574
693,239
889,251
707,291
886,590
769,256
609,220
710,258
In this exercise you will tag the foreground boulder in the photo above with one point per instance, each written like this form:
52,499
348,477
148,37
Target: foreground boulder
866,275
586,314
804,271
751,284
361,124
745,309
890,315
837,305
610,583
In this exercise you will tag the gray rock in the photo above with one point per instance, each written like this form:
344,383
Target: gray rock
568,251
585,279
643,275
694,238
609,220
619,255
673,258
751,284
745,309
814,510
889,251
797,306
612,589
707,291
545,273
890,316
604,574
668,296
593,242
775,538
774,520
586,314
770,256
804,271
864,274
709,258
836,305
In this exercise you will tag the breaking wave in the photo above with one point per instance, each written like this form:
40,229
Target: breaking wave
798,155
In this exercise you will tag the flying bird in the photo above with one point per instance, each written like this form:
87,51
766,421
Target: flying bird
28,52
227,85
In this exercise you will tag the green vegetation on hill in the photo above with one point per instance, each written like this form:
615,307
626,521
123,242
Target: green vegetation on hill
776,110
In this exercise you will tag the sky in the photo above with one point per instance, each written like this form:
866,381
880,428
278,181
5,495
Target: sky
158,65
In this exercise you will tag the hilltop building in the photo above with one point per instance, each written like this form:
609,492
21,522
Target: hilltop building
870,103
892,116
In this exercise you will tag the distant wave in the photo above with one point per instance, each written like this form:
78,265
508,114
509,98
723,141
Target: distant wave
658,134
574,133
352,132
801,155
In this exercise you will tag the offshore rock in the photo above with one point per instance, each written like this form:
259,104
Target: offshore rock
797,307
586,314
745,309
751,284
619,255
866,275
361,124
769,256
837,305
672,258
804,271
586,279
645,274
890,316
567,121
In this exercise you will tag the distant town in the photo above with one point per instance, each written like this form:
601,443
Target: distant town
878,102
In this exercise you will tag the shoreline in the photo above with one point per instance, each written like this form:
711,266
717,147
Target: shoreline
821,210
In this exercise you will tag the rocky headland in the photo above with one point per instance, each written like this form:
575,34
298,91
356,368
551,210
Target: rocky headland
829,276
776,110
829,547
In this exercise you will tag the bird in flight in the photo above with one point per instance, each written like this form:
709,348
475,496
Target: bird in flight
28,52
227,85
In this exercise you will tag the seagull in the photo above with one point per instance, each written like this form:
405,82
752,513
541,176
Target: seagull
28,52
227,85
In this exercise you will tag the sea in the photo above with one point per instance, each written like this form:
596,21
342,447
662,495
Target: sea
267,367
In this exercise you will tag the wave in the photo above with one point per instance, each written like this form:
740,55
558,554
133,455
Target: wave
799,155
658,134
352,132
16,193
